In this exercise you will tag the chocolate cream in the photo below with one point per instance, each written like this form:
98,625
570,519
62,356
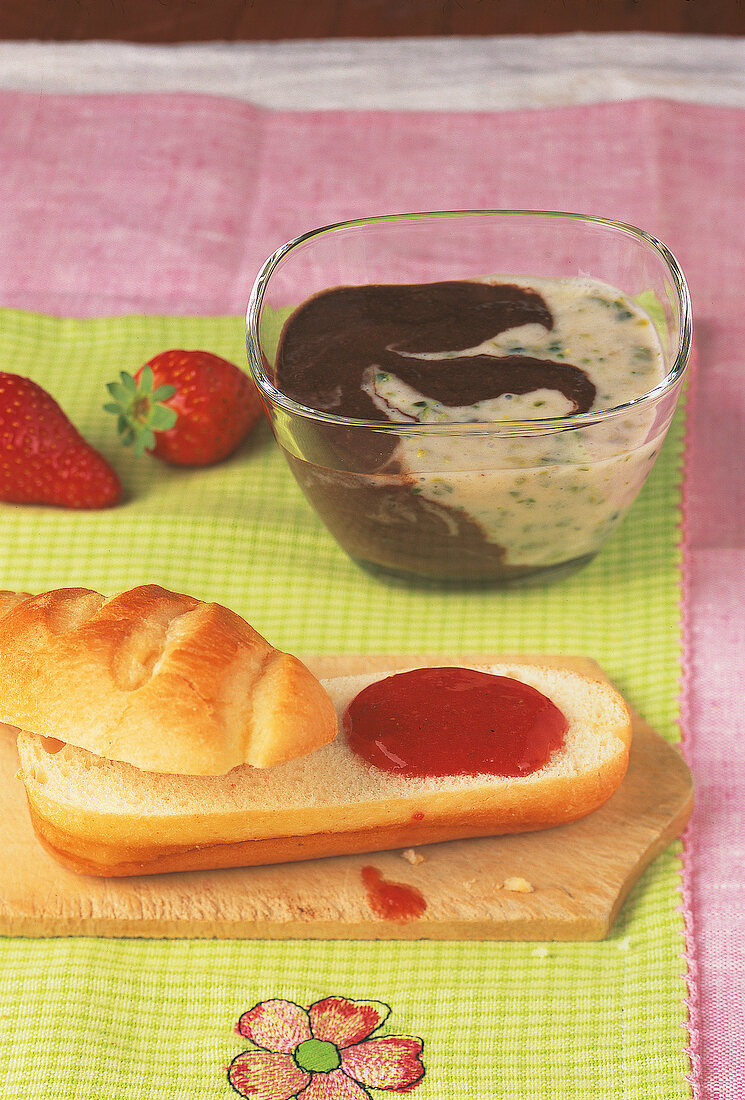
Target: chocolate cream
337,353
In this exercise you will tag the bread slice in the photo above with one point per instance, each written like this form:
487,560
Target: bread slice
156,679
106,818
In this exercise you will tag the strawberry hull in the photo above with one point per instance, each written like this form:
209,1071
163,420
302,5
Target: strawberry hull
189,408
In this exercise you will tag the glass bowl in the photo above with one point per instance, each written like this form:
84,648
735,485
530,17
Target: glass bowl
524,486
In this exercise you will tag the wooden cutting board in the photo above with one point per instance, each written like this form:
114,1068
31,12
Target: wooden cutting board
566,883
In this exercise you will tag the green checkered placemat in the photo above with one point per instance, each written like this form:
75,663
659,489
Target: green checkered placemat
133,1019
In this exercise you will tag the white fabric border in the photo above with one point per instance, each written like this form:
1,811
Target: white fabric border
459,73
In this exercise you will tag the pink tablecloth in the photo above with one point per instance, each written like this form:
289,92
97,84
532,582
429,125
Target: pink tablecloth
169,204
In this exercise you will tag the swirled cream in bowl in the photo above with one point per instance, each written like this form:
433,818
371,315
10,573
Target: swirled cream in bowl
456,425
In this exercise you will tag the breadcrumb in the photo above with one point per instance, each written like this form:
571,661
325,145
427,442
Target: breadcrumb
518,885
412,856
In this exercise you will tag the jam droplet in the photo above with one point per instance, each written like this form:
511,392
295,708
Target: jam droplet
392,900
453,721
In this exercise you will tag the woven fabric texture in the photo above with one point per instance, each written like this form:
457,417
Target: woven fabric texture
134,1019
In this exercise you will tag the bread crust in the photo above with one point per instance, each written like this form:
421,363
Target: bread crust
157,679
553,802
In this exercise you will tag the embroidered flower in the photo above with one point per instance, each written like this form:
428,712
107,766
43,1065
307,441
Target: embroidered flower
324,1052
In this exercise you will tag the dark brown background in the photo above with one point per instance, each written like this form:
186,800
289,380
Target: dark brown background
213,20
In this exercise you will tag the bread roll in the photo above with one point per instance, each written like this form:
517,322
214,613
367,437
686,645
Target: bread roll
103,818
157,680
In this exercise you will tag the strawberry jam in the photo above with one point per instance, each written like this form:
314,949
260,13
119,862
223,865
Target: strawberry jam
453,721
392,900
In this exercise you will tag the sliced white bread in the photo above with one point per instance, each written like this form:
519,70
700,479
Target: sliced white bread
105,817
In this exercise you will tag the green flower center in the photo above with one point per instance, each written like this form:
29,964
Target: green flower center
317,1056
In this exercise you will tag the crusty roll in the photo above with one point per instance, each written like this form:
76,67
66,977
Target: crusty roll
157,680
102,818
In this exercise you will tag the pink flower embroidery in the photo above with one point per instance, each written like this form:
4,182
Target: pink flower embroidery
324,1052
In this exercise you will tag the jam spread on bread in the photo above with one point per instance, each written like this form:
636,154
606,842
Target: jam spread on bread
453,721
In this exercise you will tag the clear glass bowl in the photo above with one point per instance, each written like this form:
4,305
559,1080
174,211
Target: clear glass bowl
499,502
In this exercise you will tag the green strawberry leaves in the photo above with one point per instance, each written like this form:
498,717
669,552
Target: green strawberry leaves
141,410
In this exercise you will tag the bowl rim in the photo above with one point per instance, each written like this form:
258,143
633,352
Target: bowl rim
545,425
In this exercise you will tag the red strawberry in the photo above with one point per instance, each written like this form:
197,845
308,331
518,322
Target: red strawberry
43,457
191,408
